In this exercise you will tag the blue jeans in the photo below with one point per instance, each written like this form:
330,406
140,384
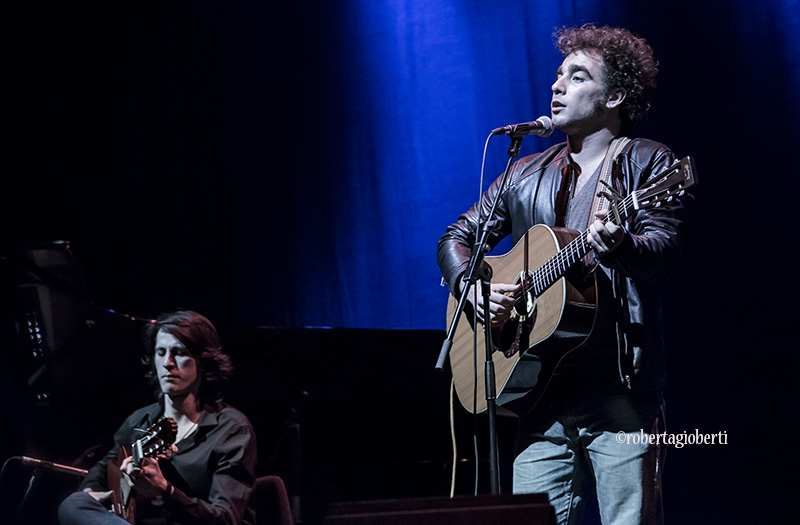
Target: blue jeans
79,508
577,441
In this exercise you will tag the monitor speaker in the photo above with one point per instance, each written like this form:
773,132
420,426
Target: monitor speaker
499,509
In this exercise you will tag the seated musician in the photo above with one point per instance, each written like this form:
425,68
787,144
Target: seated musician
208,477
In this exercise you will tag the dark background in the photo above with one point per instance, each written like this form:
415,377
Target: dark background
286,169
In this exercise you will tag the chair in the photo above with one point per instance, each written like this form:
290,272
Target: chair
272,502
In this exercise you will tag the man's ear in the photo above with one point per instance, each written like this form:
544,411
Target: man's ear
616,97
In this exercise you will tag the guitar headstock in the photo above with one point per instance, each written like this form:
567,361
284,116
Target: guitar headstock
670,185
159,439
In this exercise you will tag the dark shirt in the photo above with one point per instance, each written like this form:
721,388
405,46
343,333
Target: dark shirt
213,470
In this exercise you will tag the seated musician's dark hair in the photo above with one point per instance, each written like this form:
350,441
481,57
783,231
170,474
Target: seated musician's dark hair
200,338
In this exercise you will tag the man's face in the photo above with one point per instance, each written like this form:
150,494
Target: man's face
579,93
176,368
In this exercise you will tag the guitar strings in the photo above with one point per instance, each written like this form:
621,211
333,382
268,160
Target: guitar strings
555,267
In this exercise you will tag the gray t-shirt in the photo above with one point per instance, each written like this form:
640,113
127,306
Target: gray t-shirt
594,362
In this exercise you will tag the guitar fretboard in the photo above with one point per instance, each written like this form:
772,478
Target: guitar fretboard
554,269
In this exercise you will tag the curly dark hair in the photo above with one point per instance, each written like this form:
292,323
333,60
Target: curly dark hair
629,62
200,338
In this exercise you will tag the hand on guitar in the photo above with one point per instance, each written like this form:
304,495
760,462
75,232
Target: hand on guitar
101,496
604,237
146,479
501,301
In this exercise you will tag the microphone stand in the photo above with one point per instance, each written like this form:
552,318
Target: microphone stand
478,268
38,465
21,508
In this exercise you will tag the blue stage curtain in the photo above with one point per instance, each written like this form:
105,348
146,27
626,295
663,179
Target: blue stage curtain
294,163
397,98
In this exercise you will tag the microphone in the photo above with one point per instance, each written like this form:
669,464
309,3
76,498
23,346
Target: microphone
51,466
542,126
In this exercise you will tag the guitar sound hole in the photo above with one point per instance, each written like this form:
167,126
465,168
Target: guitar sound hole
525,305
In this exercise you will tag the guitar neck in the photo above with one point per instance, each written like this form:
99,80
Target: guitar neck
555,268
140,450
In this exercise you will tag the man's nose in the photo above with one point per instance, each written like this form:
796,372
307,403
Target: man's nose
558,86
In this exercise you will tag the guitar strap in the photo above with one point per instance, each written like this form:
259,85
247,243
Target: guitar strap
601,202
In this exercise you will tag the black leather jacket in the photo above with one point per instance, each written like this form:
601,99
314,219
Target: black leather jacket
636,268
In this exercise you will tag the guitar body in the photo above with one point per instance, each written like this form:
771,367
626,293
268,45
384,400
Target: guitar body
123,504
556,312
527,349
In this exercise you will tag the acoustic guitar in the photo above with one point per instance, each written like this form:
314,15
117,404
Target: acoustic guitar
158,439
554,312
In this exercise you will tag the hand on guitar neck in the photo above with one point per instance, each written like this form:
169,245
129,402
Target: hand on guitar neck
604,237
146,479
135,473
